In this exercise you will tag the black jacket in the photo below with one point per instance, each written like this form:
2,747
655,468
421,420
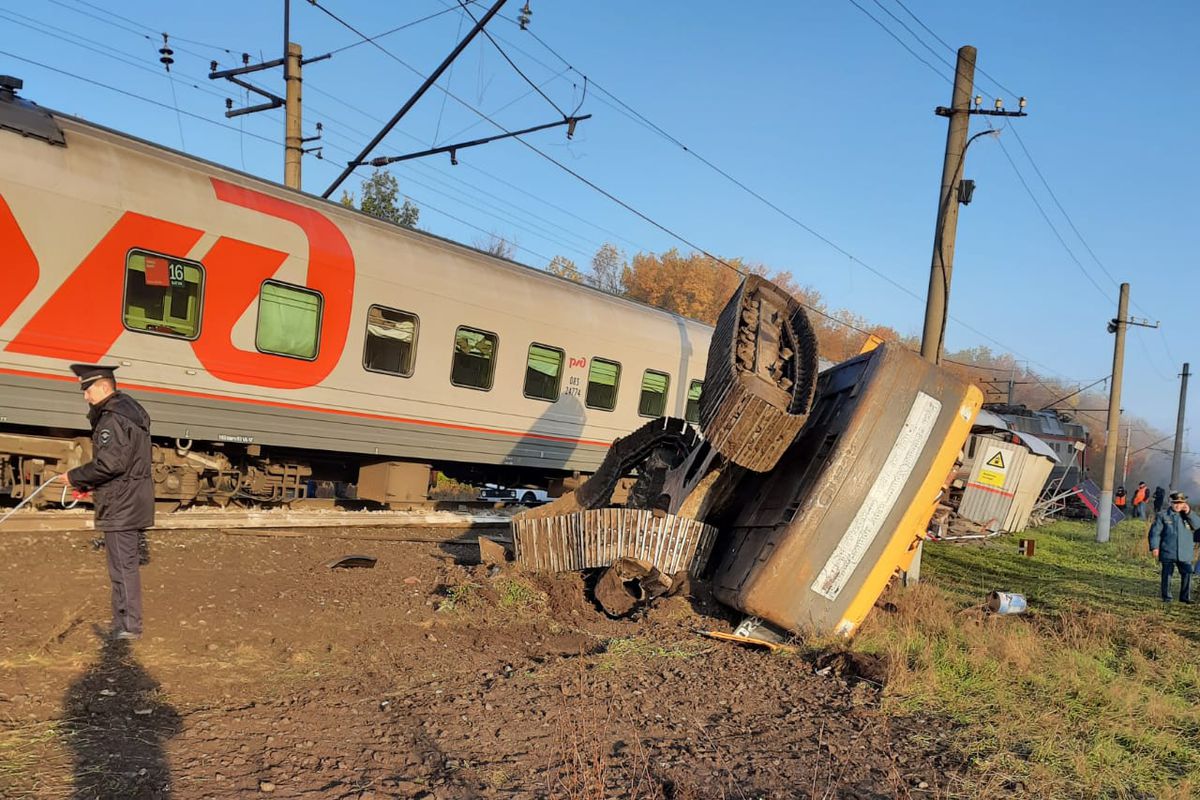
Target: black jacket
119,472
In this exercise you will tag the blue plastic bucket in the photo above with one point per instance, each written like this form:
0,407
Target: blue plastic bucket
1007,603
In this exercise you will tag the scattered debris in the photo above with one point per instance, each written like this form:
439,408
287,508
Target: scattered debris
774,647
629,583
1007,603
346,562
492,552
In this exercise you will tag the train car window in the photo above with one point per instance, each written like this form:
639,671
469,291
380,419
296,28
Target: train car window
391,343
543,372
692,413
474,359
289,320
653,400
603,380
162,294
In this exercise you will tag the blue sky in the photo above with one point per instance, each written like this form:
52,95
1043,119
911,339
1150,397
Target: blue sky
810,104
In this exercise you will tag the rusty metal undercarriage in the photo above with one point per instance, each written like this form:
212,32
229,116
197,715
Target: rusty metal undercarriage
806,493
181,475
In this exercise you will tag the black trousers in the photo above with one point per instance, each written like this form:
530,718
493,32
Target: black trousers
1185,579
122,550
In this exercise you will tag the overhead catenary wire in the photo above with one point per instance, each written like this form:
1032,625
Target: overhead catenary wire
740,184
466,10
112,13
1028,155
943,42
597,188
102,49
133,95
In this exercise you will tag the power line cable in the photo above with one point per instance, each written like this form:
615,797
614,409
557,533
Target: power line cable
481,171
1050,222
662,132
100,48
389,32
512,63
133,95
112,13
175,104
899,41
1028,155
943,42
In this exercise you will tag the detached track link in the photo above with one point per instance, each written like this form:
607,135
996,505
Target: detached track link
629,451
761,376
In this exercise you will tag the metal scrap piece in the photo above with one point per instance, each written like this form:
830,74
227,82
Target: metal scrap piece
365,562
628,583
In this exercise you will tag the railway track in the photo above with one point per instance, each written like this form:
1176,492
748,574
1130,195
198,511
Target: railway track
464,516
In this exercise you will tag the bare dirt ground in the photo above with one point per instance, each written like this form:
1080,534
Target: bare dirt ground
263,673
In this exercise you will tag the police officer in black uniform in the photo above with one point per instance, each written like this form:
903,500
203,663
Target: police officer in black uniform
119,476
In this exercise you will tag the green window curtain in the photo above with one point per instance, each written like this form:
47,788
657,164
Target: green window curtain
653,399
692,414
603,377
542,372
289,321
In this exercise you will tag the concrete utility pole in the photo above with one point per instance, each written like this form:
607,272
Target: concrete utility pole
291,61
1179,430
293,147
947,215
1117,326
1125,461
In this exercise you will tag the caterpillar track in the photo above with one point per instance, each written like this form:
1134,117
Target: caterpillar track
761,376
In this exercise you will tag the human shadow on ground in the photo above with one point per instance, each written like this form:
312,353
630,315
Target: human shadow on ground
116,725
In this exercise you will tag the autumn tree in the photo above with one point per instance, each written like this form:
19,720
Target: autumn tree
379,195
607,267
693,285
496,245
564,267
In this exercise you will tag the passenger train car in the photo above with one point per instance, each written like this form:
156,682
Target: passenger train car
279,339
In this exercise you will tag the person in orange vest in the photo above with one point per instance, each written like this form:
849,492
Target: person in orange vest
1140,498
1119,498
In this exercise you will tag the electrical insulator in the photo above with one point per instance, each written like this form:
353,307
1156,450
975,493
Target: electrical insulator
999,103
523,17
164,54
1021,103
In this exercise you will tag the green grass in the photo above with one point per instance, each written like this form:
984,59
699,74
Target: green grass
518,595
628,649
464,595
1093,693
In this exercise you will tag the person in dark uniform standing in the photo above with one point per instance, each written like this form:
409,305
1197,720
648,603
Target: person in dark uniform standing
1171,537
119,476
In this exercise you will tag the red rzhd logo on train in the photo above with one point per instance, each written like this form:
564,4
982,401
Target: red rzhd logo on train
578,362
235,272
82,319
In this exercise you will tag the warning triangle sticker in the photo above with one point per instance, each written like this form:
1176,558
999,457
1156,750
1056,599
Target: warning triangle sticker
997,460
